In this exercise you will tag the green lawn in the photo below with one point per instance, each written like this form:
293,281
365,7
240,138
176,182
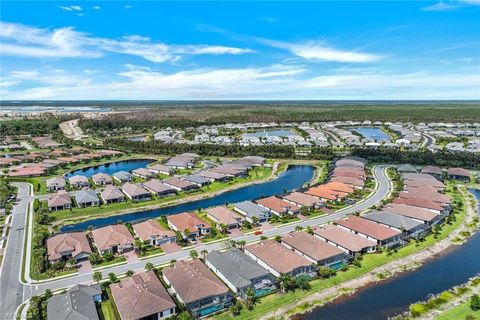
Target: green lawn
118,259
369,262
460,312
106,310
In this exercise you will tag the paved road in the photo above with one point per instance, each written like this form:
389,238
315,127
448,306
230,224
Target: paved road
72,130
13,293
429,140
11,289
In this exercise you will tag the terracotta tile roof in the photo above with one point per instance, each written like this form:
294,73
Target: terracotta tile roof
187,220
425,193
311,246
422,203
178,183
458,172
411,212
367,227
344,238
134,189
325,193
140,296
76,242
432,170
59,199
193,281
277,205
112,235
157,186
348,180
277,256
151,228
99,177
339,187
111,193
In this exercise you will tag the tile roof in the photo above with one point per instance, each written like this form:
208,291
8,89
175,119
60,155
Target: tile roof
411,212
367,227
186,220
111,193
86,196
277,205
151,228
76,304
311,246
134,189
59,199
302,199
393,220
223,215
112,235
344,238
74,241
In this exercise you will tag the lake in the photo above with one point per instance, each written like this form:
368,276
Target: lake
372,133
393,296
111,168
293,178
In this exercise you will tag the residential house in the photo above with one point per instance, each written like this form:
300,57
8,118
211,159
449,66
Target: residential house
55,184
142,173
78,181
135,191
384,236
255,160
252,211
179,184
188,221
409,227
197,180
161,169
156,187
406,168
278,206
86,198
231,170
315,250
122,176
77,303
101,179
65,246
427,217
141,297
221,215
279,260
59,201
434,171
213,176
458,174
345,240
240,272
195,286
113,238
303,200
152,232
112,194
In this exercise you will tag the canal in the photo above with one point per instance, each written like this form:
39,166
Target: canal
372,134
393,296
293,178
111,168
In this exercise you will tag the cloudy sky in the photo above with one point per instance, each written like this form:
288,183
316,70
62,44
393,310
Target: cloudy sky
315,50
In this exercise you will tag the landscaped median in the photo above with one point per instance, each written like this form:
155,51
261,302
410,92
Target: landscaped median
280,305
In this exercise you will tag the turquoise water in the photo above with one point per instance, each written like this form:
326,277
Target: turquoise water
372,133
209,310
262,292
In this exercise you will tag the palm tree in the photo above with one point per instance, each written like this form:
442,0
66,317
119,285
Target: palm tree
129,273
302,283
112,277
204,254
242,244
284,282
97,276
223,228
193,254
149,266
309,230
251,298
255,221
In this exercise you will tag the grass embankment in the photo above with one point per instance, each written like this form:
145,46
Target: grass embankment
368,263
460,312
258,173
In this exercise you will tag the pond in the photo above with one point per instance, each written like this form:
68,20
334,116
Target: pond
111,168
372,133
393,296
293,178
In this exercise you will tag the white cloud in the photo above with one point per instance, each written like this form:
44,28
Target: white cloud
25,41
440,6
314,50
71,8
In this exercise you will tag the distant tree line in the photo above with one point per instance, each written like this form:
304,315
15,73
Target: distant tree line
39,126
420,157
267,151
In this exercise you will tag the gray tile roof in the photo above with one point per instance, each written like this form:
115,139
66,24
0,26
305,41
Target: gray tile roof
252,209
406,168
238,268
123,175
76,304
86,196
193,178
393,220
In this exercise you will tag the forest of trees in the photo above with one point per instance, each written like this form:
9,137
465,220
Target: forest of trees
34,127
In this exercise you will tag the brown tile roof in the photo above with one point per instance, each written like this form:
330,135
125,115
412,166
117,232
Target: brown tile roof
187,220
348,180
29,171
344,238
311,246
325,193
140,296
59,199
458,172
156,186
302,199
178,183
151,228
134,189
411,212
423,203
74,241
223,215
349,163
432,170
209,174
112,235
277,205
98,177
193,281
111,193
367,227
425,193
339,187
277,256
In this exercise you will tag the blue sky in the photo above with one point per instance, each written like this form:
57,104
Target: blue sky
240,50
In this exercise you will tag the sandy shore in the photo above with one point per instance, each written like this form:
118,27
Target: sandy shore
390,269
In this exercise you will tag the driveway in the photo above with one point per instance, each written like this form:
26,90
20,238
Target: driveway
84,267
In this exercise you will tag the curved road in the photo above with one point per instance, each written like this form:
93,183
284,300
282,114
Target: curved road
13,292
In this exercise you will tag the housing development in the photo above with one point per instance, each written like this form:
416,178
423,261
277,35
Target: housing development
250,160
